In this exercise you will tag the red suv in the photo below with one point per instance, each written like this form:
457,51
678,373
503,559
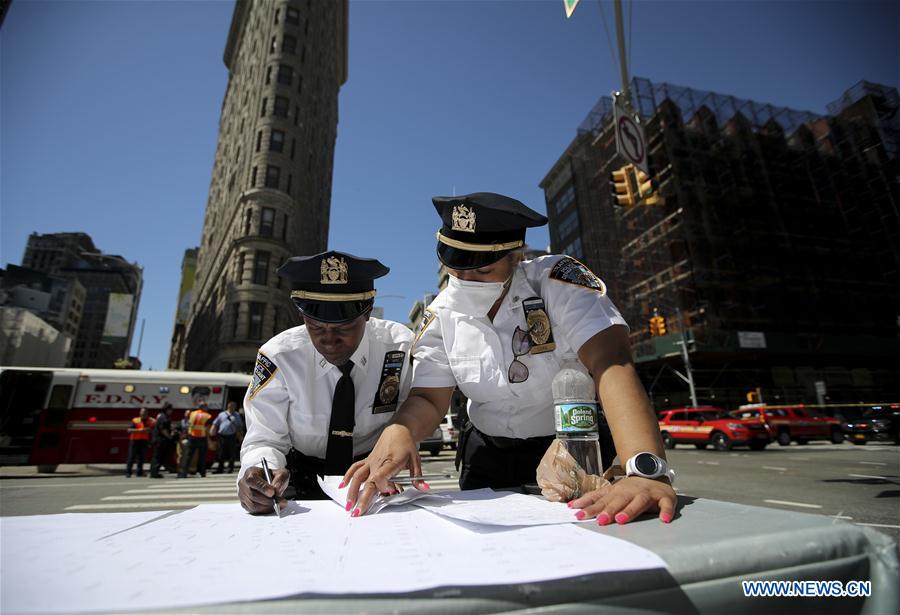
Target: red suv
794,423
708,425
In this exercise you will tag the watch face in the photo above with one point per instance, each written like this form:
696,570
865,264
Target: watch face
646,463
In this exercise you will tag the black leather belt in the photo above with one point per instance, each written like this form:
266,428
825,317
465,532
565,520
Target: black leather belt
508,443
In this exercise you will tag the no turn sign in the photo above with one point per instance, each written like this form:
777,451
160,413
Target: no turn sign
630,141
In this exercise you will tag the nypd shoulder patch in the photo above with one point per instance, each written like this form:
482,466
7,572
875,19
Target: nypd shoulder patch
262,373
571,271
428,317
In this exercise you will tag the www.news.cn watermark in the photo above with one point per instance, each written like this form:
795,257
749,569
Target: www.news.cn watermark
806,589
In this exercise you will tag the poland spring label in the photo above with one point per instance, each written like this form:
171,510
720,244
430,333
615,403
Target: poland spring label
579,417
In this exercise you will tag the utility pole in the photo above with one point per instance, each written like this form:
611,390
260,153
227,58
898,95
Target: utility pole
623,62
689,378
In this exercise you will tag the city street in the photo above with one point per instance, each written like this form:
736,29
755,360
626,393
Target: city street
856,484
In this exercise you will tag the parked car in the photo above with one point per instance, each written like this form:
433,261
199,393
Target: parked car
794,423
876,423
434,443
708,425
449,432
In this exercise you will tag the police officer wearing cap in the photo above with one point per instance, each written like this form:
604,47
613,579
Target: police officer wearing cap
322,392
499,331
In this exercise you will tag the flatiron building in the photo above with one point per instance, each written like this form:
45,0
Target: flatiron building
270,193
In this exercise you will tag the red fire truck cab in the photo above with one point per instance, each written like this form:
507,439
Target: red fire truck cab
50,416
793,423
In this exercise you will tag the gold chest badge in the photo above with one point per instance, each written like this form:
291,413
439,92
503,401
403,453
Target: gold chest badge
539,329
463,219
334,270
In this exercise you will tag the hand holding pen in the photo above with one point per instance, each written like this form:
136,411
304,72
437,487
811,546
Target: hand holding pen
260,494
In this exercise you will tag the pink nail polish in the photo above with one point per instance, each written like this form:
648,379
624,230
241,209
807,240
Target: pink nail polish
425,486
341,486
349,506
666,518
579,515
569,504
621,518
602,519
355,512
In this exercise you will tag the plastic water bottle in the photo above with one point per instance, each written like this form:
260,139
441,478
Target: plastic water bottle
576,413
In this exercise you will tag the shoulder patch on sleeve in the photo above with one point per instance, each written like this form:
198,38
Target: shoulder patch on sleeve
571,271
428,317
262,373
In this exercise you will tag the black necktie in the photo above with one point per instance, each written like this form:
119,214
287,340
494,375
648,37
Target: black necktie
339,454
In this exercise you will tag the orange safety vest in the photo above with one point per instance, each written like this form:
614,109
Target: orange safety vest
197,423
137,423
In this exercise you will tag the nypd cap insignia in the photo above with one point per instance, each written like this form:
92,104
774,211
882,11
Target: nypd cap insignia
332,286
481,228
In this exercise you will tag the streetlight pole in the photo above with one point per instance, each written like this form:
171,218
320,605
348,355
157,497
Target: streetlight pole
687,358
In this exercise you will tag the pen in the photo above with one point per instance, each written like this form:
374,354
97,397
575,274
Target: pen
409,479
265,465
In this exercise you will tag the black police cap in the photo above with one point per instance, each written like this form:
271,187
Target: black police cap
332,286
481,228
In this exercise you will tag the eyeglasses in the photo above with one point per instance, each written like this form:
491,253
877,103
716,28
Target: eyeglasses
521,345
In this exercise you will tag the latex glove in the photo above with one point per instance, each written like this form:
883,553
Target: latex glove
561,478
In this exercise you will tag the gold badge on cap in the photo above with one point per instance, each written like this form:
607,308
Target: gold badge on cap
463,219
334,270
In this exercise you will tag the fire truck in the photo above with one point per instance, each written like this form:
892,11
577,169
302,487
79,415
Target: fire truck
50,416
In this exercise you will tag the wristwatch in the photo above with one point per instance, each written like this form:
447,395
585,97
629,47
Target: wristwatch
648,465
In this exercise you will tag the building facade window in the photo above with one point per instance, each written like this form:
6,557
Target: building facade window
273,176
254,330
235,312
273,46
285,74
281,106
562,200
276,141
253,178
568,224
574,249
290,181
292,16
289,44
262,111
293,147
268,75
261,268
239,270
267,222
275,321
284,225
258,140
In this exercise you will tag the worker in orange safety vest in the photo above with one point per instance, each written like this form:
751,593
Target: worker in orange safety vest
138,441
197,431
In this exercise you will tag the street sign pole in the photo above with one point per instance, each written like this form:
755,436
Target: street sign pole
623,61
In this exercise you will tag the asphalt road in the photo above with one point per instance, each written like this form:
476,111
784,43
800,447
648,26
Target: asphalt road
856,484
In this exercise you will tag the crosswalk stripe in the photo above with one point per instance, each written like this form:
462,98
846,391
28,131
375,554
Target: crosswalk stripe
160,505
171,496
163,492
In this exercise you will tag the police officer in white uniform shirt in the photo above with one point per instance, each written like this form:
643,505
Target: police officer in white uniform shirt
322,392
499,331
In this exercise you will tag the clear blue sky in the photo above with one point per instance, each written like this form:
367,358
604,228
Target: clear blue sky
109,112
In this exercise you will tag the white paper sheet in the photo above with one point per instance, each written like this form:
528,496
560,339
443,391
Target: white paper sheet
489,507
329,485
228,555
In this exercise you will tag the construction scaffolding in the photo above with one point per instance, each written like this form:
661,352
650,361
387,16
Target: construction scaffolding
776,253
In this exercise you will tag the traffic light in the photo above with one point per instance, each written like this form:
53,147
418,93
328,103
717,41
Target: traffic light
755,396
657,325
623,188
647,189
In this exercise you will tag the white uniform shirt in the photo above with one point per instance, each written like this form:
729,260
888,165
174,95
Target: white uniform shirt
473,353
292,407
